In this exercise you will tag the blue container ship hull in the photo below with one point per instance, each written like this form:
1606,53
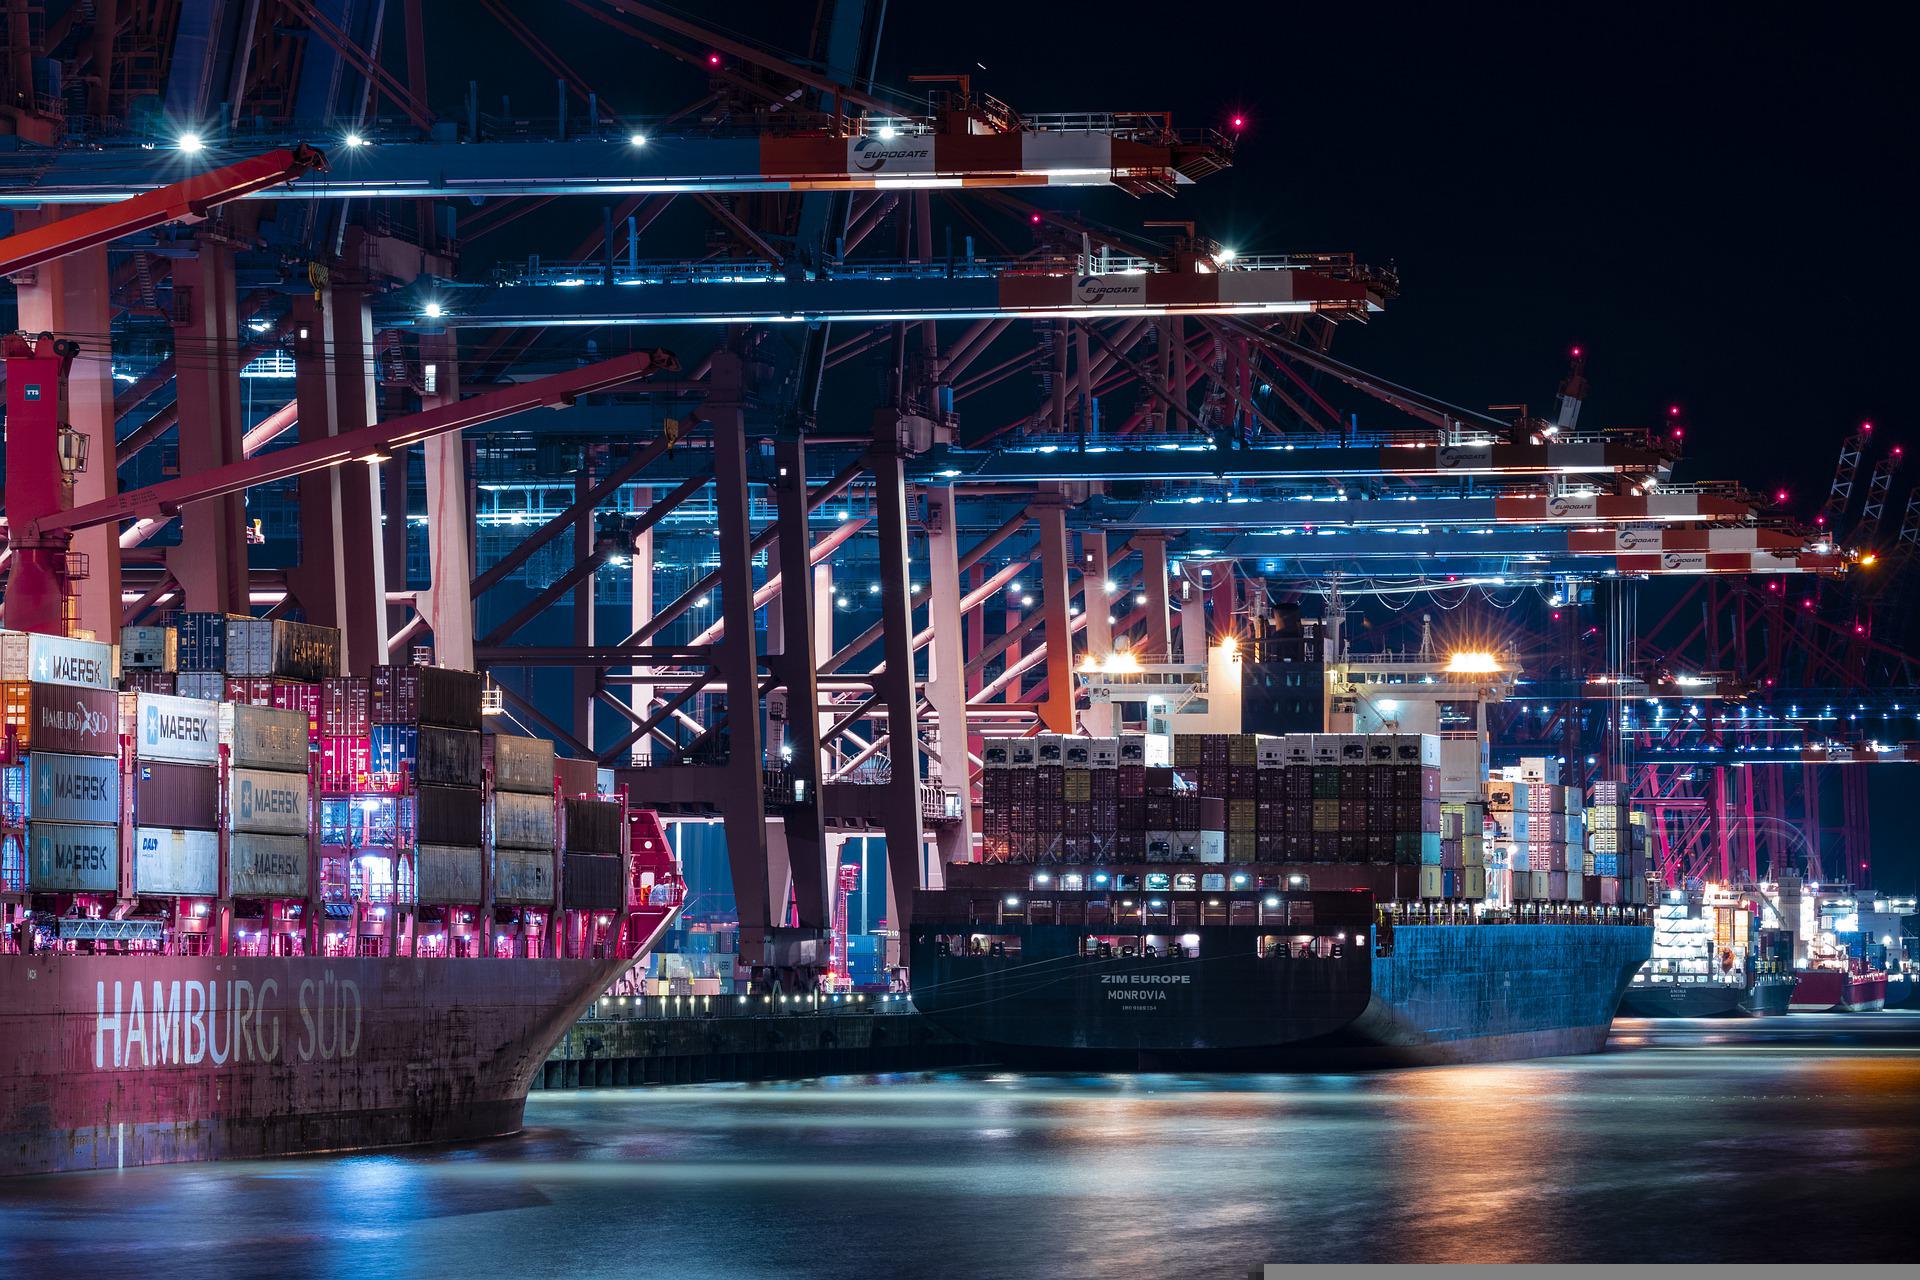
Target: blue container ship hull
1427,994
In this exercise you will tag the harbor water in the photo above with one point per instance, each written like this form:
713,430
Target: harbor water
1792,1139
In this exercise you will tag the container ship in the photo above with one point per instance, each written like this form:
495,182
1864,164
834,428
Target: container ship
1243,900
1713,957
251,907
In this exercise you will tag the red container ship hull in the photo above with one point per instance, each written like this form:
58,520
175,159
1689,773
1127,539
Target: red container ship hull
113,1061
1830,990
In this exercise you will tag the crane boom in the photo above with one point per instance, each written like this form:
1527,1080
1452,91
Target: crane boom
183,201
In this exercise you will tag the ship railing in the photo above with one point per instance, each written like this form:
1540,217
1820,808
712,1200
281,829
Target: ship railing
737,1005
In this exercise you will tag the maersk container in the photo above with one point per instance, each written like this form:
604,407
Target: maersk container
594,882
522,877
58,717
176,795
48,659
267,866
182,729
148,649
447,874
521,764
448,816
170,862
64,788
267,803
67,857
522,821
264,737
593,826
432,755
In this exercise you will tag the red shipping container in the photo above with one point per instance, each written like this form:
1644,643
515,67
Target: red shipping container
253,691
344,764
344,705
293,695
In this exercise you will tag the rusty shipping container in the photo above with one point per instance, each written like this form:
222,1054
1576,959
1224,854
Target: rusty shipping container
62,717
520,764
433,756
448,816
176,795
425,695
522,821
576,777
593,826
522,877
448,874
265,738
266,866
277,647
267,803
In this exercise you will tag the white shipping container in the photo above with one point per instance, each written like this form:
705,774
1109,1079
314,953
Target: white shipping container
267,803
1212,846
265,737
1159,750
57,660
1106,753
149,649
69,857
173,863
447,874
267,866
183,729
1270,752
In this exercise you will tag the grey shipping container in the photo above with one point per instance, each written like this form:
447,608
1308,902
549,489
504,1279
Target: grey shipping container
70,857
447,874
182,729
286,650
522,821
57,660
211,685
267,803
593,826
148,649
176,795
63,788
265,737
521,764
523,877
175,863
267,866
447,816
593,882
446,757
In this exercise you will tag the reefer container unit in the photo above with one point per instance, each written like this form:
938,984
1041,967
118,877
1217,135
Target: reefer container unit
447,874
522,820
176,795
594,882
593,826
148,649
520,764
266,866
267,803
68,857
61,717
447,816
169,862
172,728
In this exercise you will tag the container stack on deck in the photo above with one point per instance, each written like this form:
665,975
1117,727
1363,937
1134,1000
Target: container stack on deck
523,834
62,784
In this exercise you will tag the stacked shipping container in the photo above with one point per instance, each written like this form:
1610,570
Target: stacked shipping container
61,723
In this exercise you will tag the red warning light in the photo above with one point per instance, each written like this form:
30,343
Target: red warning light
1576,353
1238,122
1673,411
1780,495
1866,426
713,59
1896,451
1034,218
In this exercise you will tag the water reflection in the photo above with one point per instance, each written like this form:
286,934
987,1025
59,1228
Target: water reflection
1790,1139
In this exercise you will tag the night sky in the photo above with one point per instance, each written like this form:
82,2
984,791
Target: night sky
1702,196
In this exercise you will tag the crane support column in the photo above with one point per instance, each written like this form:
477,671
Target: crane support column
448,603
906,854
947,667
1157,644
805,829
586,679
1056,628
317,581
210,564
361,538
640,570
69,295
1098,603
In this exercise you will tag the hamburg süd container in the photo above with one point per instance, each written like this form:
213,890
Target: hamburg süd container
68,718
172,728
68,857
176,795
169,862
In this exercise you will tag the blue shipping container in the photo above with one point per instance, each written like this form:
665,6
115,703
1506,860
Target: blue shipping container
203,642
